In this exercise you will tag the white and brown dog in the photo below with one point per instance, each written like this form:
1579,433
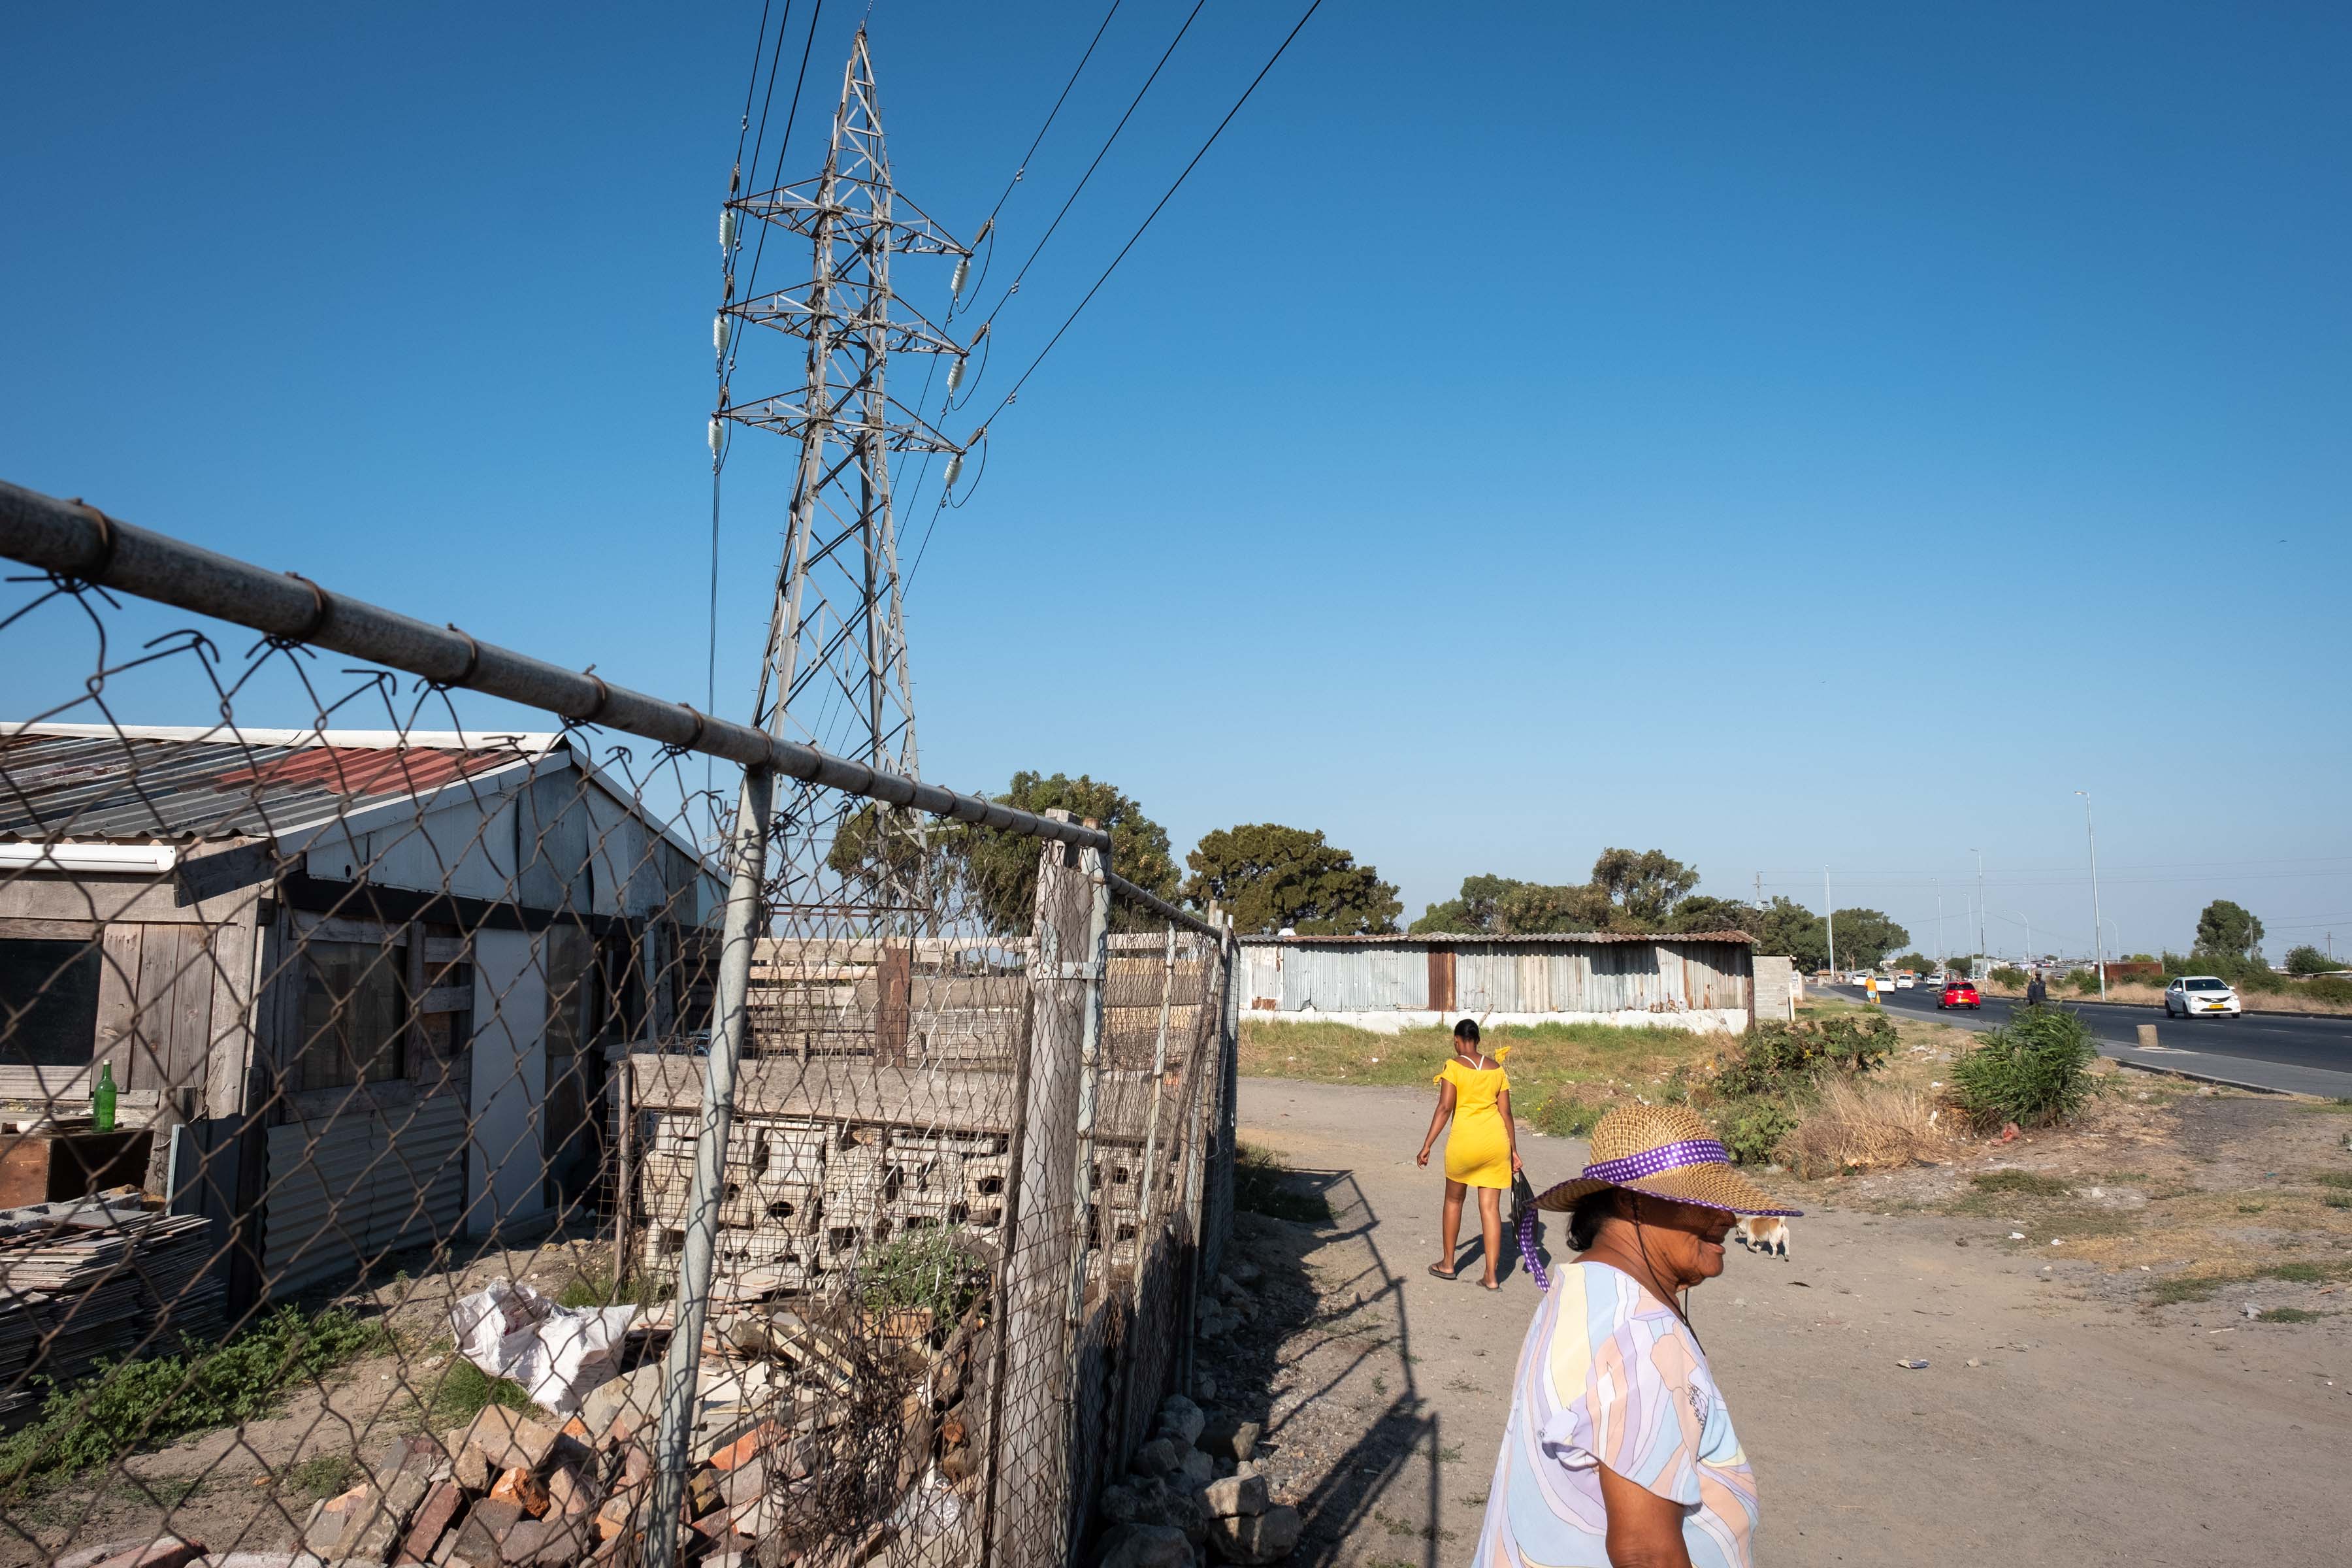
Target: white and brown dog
1767,1234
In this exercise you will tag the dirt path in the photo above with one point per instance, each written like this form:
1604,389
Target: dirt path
2090,1432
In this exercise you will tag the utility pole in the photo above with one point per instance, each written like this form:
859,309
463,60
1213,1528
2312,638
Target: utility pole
1980,908
1941,967
835,671
1829,918
2098,937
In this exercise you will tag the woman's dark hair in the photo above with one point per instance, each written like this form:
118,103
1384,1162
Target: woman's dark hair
1468,1029
1585,1215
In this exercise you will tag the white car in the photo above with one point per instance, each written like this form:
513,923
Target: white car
2200,996
1906,981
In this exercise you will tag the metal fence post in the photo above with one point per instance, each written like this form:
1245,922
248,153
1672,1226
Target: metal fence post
729,1016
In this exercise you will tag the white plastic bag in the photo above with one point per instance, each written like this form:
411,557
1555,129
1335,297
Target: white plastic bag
557,1353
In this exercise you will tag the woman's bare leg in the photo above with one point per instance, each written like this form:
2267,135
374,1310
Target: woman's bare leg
1490,1225
1450,1225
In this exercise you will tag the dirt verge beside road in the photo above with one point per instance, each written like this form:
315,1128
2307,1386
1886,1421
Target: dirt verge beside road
2091,1429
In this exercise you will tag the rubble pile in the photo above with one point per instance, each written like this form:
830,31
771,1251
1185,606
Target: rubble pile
1194,1489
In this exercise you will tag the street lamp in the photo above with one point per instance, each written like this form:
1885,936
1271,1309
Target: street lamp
2098,938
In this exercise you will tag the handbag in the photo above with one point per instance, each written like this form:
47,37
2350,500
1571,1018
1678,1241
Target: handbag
1523,1221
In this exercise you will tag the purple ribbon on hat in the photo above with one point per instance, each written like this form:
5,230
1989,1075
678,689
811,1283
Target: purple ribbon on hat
1655,1162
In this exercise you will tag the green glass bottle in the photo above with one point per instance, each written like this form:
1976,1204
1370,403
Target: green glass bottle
102,1098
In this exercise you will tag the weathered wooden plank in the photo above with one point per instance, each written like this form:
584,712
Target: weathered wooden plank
15,929
107,900
149,1052
117,995
1028,1491
228,1051
188,1023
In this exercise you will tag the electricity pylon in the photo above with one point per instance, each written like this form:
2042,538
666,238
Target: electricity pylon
835,671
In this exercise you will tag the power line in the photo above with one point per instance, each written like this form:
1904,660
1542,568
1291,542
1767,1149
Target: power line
1035,142
1100,153
1272,60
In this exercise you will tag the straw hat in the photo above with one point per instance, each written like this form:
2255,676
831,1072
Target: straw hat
1665,1152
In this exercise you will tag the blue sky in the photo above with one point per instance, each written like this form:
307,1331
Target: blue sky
1788,436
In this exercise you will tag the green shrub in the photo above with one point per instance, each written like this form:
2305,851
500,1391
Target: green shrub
923,1271
2007,974
2331,989
127,1405
2085,982
1778,1058
2033,1071
1752,1131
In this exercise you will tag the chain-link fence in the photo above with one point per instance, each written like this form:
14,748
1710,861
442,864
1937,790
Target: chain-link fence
434,1138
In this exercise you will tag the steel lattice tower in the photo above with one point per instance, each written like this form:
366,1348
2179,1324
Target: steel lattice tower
835,668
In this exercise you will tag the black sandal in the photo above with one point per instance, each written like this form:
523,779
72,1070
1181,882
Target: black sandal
1443,1273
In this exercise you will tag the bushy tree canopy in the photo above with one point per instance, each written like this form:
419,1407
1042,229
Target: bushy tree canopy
2229,930
1268,876
1864,938
1629,891
2309,960
1003,866
1645,886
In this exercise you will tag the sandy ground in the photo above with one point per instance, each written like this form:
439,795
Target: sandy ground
2090,1430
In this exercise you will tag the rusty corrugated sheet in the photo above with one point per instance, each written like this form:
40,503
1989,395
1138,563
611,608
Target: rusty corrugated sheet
163,785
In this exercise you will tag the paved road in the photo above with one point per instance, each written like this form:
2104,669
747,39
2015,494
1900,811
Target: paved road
2293,1053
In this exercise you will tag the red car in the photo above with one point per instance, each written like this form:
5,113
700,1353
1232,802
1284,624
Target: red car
1960,994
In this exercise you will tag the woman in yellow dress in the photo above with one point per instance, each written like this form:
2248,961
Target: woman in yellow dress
1483,1151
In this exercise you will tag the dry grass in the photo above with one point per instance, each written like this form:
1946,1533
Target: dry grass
1595,1063
1867,1125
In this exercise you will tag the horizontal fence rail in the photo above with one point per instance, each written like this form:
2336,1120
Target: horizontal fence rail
73,539
426,1145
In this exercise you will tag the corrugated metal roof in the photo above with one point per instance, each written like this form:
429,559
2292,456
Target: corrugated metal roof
1449,939
82,782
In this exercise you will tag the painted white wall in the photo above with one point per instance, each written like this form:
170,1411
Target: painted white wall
502,1161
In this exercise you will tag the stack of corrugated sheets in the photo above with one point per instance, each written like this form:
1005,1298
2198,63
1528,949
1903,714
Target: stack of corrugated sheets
97,1278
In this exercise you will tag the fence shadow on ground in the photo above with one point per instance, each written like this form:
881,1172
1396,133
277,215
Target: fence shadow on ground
1355,1481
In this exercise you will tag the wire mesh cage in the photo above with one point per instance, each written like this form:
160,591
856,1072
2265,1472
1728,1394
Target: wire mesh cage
424,1140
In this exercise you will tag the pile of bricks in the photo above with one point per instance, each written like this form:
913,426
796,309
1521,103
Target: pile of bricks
785,1414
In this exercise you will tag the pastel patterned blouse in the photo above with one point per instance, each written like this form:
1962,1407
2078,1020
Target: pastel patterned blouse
1609,1376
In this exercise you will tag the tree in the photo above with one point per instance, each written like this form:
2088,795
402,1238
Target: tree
1472,911
1864,937
1501,906
890,857
1785,926
1642,886
1915,961
1700,912
2309,960
1268,877
1542,908
2229,930
1003,866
